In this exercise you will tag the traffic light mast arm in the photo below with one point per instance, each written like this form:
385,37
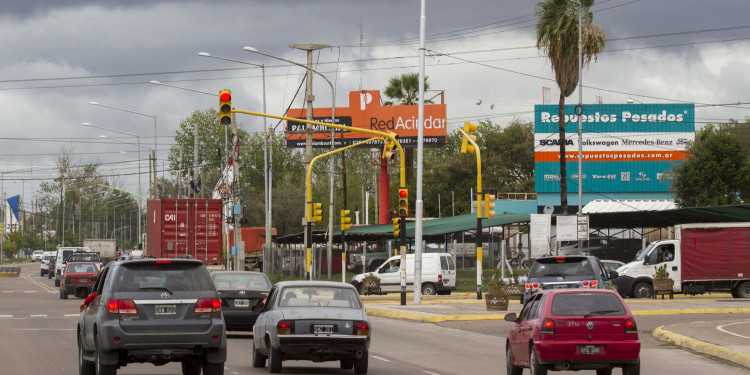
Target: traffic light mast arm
402,162
479,171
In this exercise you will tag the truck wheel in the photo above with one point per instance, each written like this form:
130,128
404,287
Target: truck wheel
428,289
642,290
743,290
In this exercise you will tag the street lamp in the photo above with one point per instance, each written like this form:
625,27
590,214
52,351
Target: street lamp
267,152
153,192
139,166
310,48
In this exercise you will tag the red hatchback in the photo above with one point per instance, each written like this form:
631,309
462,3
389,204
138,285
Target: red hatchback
78,279
573,329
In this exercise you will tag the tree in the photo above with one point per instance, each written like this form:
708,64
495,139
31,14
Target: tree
508,156
717,171
557,38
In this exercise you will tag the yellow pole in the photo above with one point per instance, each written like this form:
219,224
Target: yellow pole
480,197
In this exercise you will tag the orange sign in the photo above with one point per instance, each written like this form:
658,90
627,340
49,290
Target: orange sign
365,112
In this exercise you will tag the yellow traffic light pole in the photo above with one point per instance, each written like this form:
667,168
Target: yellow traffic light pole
480,198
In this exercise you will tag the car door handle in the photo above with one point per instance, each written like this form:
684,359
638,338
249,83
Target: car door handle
674,268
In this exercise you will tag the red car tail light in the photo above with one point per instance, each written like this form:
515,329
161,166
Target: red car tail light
122,307
361,328
548,326
585,283
594,283
285,327
528,286
630,326
207,305
440,278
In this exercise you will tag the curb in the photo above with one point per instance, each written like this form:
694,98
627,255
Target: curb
701,347
689,311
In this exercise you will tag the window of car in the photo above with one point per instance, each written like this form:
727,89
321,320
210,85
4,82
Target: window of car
446,263
525,310
561,266
242,281
175,277
319,296
535,307
567,304
271,299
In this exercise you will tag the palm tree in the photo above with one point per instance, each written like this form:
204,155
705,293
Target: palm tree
405,90
557,38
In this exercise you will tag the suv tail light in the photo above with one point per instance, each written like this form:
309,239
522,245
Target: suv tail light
594,283
122,307
207,305
630,326
285,327
361,328
548,326
532,286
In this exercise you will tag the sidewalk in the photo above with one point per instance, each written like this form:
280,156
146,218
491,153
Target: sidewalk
699,337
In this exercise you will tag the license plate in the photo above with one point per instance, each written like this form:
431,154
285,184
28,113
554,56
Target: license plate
323,328
166,309
241,303
83,281
590,349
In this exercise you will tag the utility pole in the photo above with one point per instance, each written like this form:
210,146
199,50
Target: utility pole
236,199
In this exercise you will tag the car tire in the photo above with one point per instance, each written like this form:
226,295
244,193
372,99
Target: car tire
191,368
259,360
42,273
63,294
57,283
428,289
102,369
512,369
604,371
536,368
643,290
84,367
632,368
49,275
274,360
346,363
361,363
213,368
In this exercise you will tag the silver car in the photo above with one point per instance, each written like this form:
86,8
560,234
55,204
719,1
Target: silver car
312,320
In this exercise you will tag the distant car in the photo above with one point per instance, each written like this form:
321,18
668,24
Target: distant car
622,249
156,311
242,295
45,263
611,265
594,243
575,271
573,329
315,321
37,255
78,279
52,266
86,257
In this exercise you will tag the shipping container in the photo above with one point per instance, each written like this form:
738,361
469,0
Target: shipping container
179,227
253,239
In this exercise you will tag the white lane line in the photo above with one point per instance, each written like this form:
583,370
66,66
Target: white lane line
45,329
431,373
71,315
6,316
8,291
38,315
721,328
380,358
29,291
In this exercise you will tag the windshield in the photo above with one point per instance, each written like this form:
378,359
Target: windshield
587,304
170,277
322,296
642,252
564,266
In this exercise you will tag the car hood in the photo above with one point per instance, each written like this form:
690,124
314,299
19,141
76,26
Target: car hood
337,313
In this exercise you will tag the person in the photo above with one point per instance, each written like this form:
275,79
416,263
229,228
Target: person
87,301
668,256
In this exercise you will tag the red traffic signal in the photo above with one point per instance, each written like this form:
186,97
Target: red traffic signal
225,107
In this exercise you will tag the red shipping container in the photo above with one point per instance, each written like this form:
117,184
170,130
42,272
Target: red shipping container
178,227
253,237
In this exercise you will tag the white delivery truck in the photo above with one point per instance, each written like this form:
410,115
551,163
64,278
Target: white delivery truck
438,274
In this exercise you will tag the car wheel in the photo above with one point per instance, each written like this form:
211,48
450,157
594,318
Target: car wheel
428,289
274,360
191,368
743,290
632,368
42,273
84,367
512,369
63,294
102,369
49,275
360,364
604,371
259,360
536,368
643,290
213,368
57,283
347,363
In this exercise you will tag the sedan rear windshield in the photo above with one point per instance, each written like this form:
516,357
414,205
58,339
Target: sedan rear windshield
173,277
241,281
564,266
587,304
319,296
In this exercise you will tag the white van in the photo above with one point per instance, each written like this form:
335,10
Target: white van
438,274
62,258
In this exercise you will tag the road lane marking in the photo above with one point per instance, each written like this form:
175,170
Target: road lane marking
721,328
38,315
44,329
6,316
29,291
431,373
71,315
380,358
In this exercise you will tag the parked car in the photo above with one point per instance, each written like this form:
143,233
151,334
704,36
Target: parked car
62,257
45,263
156,311
576,271
611,265
438,274
592,244
242,295
51,269
315,321
573,329
37,255
78,279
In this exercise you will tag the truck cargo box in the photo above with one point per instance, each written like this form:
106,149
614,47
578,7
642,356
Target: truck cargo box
179,227
715,253
253,237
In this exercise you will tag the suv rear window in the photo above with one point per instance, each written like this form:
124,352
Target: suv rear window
587,304
561,266
84,257
174,277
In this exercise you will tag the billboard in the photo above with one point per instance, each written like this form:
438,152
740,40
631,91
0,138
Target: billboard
364,111
626,147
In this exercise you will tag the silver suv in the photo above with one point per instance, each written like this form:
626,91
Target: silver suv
560,272
152,310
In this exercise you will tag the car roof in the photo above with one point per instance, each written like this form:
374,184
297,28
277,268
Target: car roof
577,291
313,283
237,273
573,258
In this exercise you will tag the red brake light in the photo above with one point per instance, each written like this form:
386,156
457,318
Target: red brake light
585,283
122,306
548,326
440,278
535,285
594,283
630,325
163,261
285,327
207,305
361,328
560,258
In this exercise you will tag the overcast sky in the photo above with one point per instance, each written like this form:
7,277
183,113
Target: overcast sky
60,55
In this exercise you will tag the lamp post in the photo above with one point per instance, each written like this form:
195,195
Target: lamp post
267,155
139,165
308,139
153,189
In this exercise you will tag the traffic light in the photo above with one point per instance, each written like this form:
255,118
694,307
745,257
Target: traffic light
225,107
489,205
403,202
466,146
388,152
346,221
316,212
396,227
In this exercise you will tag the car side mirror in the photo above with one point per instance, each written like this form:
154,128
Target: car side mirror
613,274
511,317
